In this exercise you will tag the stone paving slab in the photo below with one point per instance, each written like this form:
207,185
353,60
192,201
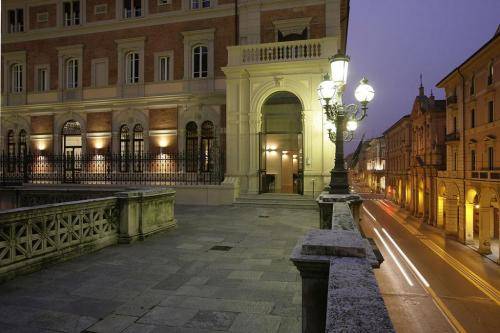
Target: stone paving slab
173,281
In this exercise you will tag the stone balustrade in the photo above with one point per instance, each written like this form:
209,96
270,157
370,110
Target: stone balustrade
31,237
299,50
339,290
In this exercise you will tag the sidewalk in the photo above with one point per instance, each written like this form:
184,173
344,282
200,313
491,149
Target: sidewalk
224,268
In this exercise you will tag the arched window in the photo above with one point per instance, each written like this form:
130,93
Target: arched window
11,151
200,61
138,147
72,137
23,148
472,88
132,67
72,73
124,147
207,138
16,78
191,146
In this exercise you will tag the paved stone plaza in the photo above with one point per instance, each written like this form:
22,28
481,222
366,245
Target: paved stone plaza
175,281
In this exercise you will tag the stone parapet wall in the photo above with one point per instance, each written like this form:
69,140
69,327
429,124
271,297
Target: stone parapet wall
339,290
32,237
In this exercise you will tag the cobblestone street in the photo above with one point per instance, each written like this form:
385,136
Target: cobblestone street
223,269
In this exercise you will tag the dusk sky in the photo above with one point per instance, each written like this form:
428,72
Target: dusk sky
392,41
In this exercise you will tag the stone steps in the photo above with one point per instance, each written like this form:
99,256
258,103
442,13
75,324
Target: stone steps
277,200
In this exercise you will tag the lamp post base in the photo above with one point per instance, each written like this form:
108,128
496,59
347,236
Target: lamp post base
338,182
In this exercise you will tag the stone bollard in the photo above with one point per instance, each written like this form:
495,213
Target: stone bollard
144,212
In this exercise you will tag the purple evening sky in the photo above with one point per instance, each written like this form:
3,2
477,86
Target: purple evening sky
392,41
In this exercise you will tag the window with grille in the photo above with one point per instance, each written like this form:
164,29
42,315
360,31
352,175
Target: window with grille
17,78
132,67
191,147
198,4
124,147
200,61
207,139
15,19
132,8
72,73
164,68
22,148
71,13
138,147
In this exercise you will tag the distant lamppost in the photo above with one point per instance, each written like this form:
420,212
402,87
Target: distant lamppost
343,119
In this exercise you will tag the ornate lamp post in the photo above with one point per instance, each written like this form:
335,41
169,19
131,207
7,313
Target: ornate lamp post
343,119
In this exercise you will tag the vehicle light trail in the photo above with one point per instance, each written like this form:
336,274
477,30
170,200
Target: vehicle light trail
403,271
408,261
369,214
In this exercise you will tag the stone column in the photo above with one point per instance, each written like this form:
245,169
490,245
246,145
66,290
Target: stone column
485,218
451,217
469,223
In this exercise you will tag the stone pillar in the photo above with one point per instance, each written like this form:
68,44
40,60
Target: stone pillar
145,212
325,202
312,257
485,219
451,217
469,223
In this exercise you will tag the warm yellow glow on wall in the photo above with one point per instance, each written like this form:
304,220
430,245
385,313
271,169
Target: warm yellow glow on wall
98,144
163,142
41,145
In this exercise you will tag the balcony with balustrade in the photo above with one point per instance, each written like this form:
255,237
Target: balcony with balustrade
282,52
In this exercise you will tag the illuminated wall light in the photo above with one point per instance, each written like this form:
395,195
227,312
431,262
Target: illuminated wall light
476,206
98,144
41,146
163,143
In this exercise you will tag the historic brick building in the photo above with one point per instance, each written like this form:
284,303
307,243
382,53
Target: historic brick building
156,76
428,126
469,188
398,140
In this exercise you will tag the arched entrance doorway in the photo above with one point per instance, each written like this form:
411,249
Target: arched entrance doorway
72,149
281,145
489,228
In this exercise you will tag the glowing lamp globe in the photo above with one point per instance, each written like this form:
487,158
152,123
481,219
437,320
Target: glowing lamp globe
351,125
326,90
339,65
364,93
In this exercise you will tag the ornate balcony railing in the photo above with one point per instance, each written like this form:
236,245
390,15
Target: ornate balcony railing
168,169
309,49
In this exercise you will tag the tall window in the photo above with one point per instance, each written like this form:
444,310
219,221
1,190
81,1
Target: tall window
164,68
491,112
472,118
197,4
491,159
16,72
132,8
43,79
200,61
490,73
22,147
71,13
191,146
124,147
132,69
138,147
11,150
473,160
472,88
72,73
15,19
454,124
207,138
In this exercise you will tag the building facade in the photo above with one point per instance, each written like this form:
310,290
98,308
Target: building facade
398,140
374,159
428,125
468,190
131,77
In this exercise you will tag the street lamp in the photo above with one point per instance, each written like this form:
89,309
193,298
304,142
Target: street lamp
344,118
